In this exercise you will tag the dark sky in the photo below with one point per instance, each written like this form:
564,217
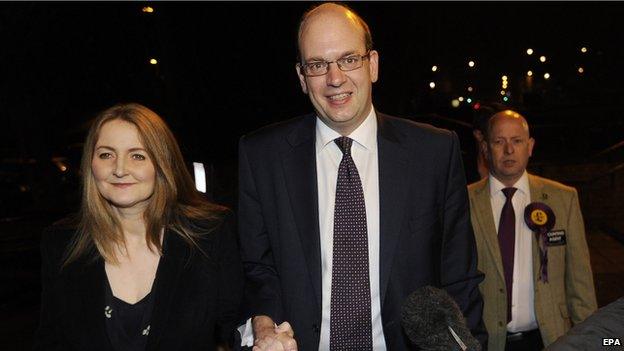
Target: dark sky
227,68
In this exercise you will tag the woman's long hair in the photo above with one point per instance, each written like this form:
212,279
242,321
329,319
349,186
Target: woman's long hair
175,204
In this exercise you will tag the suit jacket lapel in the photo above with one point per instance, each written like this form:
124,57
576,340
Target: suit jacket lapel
299,162
487,225
86,297
165,286
393,185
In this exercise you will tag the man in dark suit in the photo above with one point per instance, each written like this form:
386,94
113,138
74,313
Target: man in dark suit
344,212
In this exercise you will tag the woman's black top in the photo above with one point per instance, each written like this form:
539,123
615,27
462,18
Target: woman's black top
196,296
127,325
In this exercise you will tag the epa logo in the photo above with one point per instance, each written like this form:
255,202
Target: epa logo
611,342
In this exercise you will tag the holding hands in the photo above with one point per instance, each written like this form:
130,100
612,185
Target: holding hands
271,337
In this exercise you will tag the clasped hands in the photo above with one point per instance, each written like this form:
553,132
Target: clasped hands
269,337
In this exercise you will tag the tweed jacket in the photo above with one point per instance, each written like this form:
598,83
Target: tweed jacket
568,297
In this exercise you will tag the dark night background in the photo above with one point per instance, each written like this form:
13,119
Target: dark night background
225,69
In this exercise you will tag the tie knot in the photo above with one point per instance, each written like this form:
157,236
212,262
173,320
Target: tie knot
344,143
509,192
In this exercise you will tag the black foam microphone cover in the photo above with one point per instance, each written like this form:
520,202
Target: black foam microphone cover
426,317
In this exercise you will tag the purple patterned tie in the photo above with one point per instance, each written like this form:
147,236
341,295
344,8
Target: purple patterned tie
507,241
350,314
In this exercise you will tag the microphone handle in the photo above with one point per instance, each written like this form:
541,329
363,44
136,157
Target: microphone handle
456,337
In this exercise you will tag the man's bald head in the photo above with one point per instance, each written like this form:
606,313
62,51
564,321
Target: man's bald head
507,115
333,10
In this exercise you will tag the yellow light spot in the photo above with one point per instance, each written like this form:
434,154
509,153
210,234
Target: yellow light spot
470,89
502,92
153,61
581,70
529,51
461,98
542,58
148,9
583,49
432,85
455,103
471,64
530,73
546,75
434,68
504,78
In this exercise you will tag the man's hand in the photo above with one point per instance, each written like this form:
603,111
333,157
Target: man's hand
269,337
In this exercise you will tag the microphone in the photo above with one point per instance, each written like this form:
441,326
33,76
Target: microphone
432,321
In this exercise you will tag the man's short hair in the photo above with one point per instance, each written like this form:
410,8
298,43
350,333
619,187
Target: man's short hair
368,38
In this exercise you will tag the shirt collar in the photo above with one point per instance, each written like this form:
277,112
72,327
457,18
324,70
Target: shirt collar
496,187
365,134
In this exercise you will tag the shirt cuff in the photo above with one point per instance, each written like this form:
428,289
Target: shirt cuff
246,333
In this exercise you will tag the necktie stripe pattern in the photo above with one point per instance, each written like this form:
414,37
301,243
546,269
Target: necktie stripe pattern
350,311
507,243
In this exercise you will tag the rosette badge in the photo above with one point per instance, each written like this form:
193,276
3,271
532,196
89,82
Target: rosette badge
539,217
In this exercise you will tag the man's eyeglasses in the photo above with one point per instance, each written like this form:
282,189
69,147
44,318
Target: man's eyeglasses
319,68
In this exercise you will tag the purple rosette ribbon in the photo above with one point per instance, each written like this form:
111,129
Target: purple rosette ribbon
540,218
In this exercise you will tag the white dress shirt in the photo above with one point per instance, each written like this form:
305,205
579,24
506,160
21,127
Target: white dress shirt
328,157
522,298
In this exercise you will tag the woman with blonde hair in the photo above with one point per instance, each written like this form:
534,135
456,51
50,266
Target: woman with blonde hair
148,264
